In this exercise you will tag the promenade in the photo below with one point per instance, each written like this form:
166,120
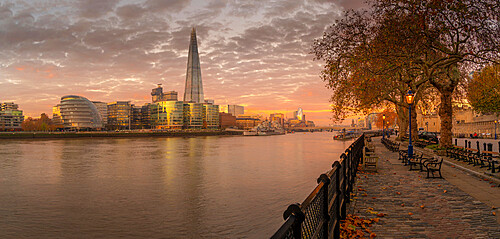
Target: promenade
458,206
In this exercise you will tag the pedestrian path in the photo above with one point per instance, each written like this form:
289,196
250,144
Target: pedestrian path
411,206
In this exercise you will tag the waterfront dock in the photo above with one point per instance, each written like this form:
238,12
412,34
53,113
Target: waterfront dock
462,205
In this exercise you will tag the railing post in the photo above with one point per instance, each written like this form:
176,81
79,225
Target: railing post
326,181
348,174
343,212
295,210
338,207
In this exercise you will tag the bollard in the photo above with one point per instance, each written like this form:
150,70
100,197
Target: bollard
477,146
456,142
484,146
469,144
490,147
465,144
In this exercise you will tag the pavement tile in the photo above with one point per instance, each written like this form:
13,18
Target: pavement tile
417,207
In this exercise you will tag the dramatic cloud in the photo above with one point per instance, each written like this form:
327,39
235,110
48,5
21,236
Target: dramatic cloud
253,53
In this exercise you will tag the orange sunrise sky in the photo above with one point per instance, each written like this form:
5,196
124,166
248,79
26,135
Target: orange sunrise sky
252,53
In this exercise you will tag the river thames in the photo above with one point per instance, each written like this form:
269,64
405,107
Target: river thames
209,187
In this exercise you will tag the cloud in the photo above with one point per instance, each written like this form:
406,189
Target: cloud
252,52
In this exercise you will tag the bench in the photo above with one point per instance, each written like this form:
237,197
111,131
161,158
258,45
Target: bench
370,161
432,166
417,160
490,158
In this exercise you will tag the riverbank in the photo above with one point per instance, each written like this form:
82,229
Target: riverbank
120,134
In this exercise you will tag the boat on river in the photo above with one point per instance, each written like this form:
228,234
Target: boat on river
265,128
346,135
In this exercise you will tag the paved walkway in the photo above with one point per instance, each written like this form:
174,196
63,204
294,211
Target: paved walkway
459,206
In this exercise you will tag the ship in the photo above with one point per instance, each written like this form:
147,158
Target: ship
265,128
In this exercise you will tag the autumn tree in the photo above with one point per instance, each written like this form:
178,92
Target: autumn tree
455,35
483,91
44,123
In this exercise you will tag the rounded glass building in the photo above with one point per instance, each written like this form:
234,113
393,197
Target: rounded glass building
79,113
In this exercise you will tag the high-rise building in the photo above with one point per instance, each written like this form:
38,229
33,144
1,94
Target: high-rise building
235,110
10,117
102,107
119,115
79,113
299,114
157,94
194,87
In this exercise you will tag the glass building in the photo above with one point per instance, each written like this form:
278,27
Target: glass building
119,115
79,113
194,87
210,116
167,115
10,117
193,115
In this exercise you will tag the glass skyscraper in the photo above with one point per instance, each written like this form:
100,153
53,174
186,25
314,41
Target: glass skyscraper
194,87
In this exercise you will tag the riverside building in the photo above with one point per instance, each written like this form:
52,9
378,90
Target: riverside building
11,117
119,115
78,113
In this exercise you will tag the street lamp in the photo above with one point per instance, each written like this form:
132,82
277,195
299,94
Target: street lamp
409,100
383,126
496,121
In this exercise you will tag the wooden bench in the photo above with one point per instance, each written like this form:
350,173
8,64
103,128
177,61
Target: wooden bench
416,161
490,158
432,166
370,161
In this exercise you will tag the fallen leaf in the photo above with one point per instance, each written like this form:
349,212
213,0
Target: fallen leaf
380,215
398,193
494,213
402,204
422,206
376,219
410,213
439,185
374,198
373,235
444,191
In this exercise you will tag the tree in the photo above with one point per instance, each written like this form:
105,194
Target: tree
456,35
483,91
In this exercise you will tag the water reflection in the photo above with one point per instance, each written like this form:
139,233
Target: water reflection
222,187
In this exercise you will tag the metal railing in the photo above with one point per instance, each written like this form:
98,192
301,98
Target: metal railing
320,214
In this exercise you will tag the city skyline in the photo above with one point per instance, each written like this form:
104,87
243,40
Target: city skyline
253,54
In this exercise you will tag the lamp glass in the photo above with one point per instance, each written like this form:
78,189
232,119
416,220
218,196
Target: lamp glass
409,98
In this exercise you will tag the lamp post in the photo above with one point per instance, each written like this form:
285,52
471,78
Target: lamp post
496,121
409,100
383,126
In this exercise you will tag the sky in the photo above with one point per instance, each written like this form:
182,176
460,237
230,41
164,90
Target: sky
252,53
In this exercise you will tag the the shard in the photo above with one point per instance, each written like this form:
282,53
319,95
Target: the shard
194,85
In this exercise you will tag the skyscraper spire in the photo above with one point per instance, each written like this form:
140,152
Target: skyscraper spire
194,87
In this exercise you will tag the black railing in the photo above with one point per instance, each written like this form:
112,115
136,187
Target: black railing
320,214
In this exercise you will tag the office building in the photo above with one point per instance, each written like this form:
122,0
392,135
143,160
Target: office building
247,122
11,117
146,116
56,115
277,117
226,120
78,113
193,115
236,110
194,86
103,110
157,95
210,116
167,115
119,115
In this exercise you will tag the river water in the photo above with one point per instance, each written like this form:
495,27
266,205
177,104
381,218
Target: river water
199,187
